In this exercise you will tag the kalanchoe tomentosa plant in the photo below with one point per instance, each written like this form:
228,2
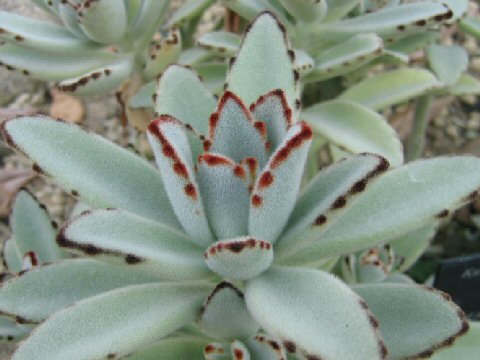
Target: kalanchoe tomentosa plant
217,255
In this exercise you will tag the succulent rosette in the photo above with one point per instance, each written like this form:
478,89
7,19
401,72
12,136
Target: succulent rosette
220,254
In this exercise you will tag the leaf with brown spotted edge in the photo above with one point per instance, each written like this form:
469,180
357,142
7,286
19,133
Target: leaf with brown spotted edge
415,321
174,159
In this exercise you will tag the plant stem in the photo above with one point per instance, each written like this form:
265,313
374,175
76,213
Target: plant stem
416,141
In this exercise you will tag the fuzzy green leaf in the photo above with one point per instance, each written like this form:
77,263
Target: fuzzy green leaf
167,52
222,43
320,202
116,177
276,189
213,75
471,25
193,107
414,42
148,18
414,320
111,325
239,258
263,62
225,315
45,65
174,159
465,348
40,35
9,330
448,62
100,81
392,87
346,56
124,238
458,7
249,9
466,85
103,21
337,9
144,96
266,348
314,311
224,188
69,15
381,214
355,128
33,229
29,297
233,132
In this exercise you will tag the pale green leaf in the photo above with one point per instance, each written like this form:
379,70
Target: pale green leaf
224,188
263,62
33,229
401,200
266,348
117,322
144,96
458,7
277,186
465,348
471,25
337,9
116,177
189,10
314,311
11,256
213,75
148,18
103,21
124,238
10,331
345,56
100,81
239,258
174,159
307,11
69,15
355,128
40,35
391,87
222,43
238,350
45,65
193,107
448,62
40,292
225,316
163,53
414,42
466,85
414,320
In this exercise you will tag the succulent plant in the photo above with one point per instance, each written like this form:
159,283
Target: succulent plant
100,46
218,255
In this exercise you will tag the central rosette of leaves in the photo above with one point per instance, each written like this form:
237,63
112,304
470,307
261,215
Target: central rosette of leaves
236,187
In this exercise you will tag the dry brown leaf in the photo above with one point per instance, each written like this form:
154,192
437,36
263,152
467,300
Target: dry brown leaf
66,107
11,181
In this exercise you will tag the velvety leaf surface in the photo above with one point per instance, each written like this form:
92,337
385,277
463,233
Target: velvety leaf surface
193,107
148,18
28,297
306,10
174,159
213,75
264,57
225,316
143,97
224,188
162,53
414,42
355,128
234,133
116,177
313,313
99,81
466,348
274,111
275,191
392,87
239,351
45,65
240,258
320,202
223,43
69,16
10,331
414,320
120,237
337,9
381,214
46,36
33,229
448,62
189,10
103,21
117,322
181,348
